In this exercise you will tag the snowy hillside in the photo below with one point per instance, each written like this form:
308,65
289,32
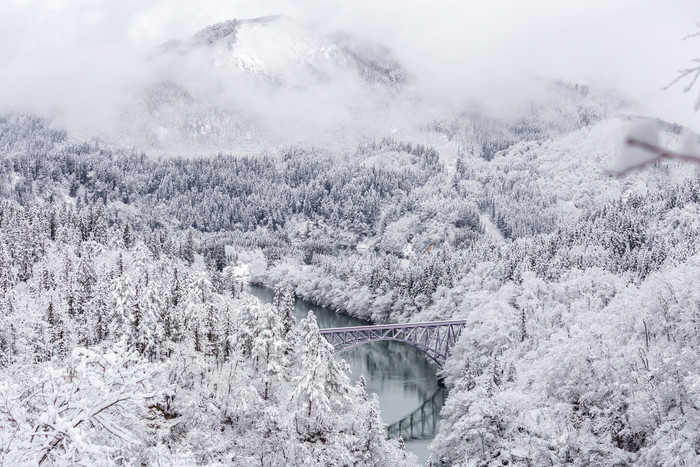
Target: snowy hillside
317,165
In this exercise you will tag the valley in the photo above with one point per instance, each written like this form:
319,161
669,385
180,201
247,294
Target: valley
165,278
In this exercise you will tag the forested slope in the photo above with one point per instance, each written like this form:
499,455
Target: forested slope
581,312
115,348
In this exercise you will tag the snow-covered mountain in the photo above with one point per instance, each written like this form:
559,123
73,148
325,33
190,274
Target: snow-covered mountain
265,81
370,196
246,85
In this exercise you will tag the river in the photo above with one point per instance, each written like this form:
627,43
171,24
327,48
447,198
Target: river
403,379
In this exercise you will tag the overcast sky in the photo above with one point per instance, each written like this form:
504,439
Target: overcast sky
52,51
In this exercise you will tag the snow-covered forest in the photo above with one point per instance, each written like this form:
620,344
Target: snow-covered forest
111,258
127,338
115,346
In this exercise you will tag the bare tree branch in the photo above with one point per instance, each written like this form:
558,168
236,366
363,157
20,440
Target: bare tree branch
694,34
693,72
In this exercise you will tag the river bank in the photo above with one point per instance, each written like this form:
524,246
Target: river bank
403,379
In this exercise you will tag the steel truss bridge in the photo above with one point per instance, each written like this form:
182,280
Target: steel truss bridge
436,338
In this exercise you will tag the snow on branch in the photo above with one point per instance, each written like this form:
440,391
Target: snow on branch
641,147
59,418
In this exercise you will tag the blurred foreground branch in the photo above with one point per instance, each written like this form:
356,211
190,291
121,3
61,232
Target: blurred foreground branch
641,147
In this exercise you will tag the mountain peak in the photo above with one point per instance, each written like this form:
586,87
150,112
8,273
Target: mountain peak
226,30
217,32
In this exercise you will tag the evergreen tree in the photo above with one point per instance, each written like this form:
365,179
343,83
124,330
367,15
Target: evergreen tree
127,236
187,252
322,385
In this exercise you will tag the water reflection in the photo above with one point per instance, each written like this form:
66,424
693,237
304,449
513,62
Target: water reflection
421,423
399,374
402,377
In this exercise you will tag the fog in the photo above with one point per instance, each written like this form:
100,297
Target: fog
81,62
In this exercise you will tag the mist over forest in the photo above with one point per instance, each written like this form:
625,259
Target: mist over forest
463,162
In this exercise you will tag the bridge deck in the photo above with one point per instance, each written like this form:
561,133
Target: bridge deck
377,327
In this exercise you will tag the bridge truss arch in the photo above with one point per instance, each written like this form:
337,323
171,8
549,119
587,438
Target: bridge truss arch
436,338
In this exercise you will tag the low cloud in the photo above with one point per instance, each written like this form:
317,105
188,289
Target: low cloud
80,61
